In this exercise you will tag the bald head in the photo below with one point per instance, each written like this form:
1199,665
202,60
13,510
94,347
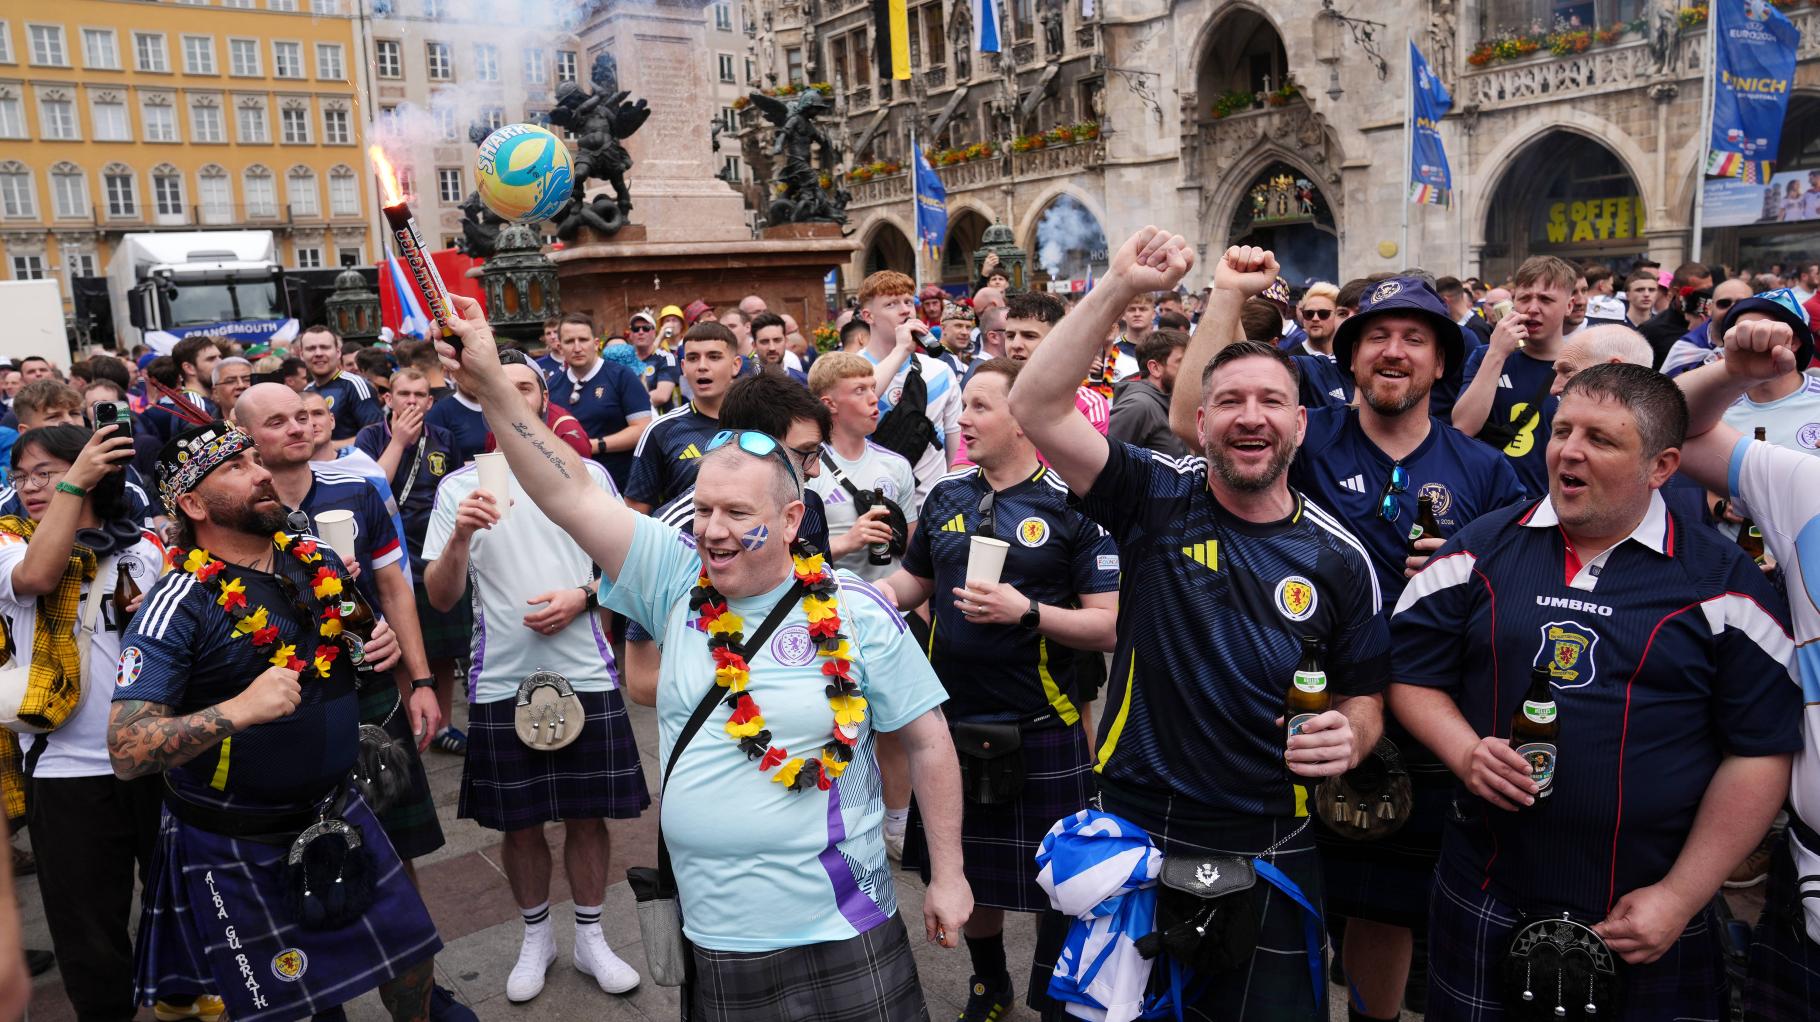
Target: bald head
1599,345
1732,288
275,417
752,305
261,400
987,298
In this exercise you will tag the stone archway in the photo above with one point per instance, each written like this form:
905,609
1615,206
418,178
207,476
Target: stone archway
1564,194
1285,211
889,249
966,224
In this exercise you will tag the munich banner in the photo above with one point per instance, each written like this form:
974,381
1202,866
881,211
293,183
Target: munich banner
1430,180
1754,67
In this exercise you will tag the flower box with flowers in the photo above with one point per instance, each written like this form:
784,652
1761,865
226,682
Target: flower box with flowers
1027,143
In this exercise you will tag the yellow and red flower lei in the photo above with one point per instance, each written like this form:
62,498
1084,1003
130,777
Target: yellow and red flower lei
255,622
726,633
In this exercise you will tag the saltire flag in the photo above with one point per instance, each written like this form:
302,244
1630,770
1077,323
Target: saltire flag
1430,179
985,26
1089,286
1753,71
412,320
931,208
891,32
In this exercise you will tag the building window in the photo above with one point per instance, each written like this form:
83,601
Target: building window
28,267
723,17
160,120
167,192
439,62
448,186
16,201
566,64
407,182
243,58
251,124
47,46
446,127
261,193
99,50
533,115
537,69
6,43
494,117
12,117
751,73
294,125
725,67
122,196
58,119
300,186
329,67
245,5
793,64
335,127
729,119
79,264
730,170
325,6
344,196
434,9
69,193
198,55
281,5
486,62
287,60
309,258
389,60
205,123
216,195
935,43
149,53
353,256
110,121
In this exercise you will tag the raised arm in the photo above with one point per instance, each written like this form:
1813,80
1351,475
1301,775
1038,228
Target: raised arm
1755,352
1474,404
548,470
1042,400
47,556
1242,272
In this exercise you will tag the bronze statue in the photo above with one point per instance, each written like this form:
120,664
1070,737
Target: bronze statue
480,226
802,199
598,122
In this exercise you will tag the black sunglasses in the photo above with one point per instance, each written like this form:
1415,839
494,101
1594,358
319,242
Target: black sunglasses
641,328
983,514
1388,506
1724,303
1316,313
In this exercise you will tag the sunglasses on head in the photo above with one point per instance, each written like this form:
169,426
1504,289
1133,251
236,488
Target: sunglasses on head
1316,313
759,445
1388,507
983,514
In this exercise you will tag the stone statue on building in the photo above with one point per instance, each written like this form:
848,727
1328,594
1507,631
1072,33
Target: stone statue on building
960,40
1052,28
800,197
598,121
480,226
1441,32
1665,35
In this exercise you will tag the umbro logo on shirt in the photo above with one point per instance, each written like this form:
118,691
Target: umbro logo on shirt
690,451
955,524
1354,483
1206,553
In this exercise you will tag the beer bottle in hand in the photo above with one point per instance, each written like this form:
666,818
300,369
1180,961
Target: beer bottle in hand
1750,538
1425,527
878,554
357,623
1535,731
125,592
1308,695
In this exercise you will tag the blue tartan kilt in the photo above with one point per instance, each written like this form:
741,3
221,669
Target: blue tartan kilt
215,921
1469,932
506,785
1387,881
1784,983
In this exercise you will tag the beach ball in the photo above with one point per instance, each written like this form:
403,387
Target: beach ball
524,173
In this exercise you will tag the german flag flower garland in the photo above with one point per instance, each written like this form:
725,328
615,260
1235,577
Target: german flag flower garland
255,622
726,633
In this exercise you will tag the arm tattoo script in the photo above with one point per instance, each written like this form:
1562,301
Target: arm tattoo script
145,739
550,456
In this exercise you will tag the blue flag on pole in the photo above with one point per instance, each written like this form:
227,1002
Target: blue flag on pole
985,26
1754,67
1430,180
931,208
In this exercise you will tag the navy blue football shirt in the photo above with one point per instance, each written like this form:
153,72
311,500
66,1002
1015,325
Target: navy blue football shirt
1520,381
605,401
351,401
466,426
667,455
1320,381
420,470
1667,653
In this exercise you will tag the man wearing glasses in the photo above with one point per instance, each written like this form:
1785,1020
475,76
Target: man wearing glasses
1376,462
1696,347
605,397
1319,315
660,376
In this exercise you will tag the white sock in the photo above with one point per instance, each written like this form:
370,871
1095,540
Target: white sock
537,919
896,820
586,916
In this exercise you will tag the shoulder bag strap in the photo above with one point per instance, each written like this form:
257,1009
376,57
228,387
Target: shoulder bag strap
839,476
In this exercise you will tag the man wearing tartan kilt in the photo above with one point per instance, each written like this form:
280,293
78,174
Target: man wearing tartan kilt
1007,652
235,683
536,610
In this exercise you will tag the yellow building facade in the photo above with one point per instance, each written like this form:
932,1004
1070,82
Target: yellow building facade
121,116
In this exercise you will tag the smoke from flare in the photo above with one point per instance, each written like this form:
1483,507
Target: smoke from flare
388,178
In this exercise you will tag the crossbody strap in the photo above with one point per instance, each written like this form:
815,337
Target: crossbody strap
839,476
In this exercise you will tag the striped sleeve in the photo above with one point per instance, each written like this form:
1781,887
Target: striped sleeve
157,651
1433,615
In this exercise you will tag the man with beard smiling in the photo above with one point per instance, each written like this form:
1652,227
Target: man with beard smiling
1226,571
1376,461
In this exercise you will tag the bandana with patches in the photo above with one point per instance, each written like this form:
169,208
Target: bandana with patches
196,452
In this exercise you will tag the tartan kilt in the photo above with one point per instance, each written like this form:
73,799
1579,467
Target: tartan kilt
1387,881
506,785
214,921
999,842
1784,981
867,978
447,634
1469,932
411,824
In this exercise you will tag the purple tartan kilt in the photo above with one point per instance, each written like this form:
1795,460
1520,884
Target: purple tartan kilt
999,842
505,785
246,950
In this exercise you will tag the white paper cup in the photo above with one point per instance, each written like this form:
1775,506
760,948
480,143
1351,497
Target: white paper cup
337,529
986,559
496,479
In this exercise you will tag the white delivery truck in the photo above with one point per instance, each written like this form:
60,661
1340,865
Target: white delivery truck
163,287
34,322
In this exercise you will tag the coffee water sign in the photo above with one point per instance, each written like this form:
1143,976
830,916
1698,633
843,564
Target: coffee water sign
1579,221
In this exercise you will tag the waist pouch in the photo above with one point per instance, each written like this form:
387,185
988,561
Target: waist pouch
992,760
547,715
382,766
1209,913
1371,801
1556,967
328,876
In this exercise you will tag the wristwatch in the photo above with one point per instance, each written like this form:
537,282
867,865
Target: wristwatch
591,597
417,683
1032,617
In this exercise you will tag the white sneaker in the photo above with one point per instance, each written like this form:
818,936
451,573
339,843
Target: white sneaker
594,958
534,958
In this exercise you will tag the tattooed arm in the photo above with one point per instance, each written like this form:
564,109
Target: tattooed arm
548,471
147,738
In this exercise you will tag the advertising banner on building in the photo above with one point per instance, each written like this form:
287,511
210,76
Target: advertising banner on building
1788,197
1430,179
1754,68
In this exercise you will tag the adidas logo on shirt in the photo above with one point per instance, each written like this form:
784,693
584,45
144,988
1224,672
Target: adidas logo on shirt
1354,483
690,451
955,524
1504,381
1206,553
